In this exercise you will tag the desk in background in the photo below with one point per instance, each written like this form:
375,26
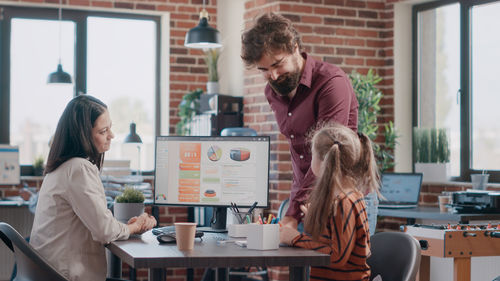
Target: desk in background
145,252
432,213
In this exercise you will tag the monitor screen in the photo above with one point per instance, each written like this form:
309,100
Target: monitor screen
212,171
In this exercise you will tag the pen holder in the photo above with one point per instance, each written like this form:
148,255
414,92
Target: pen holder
236,216
238,230
264,236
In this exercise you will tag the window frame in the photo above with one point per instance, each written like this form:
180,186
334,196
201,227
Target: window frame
465,82
79,17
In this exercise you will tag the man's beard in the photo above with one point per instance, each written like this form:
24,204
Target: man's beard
287,82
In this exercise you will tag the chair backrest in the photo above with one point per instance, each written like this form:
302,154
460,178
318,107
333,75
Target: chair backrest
30,265
395,256
283,208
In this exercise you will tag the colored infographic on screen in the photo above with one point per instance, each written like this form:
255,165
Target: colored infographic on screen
212,171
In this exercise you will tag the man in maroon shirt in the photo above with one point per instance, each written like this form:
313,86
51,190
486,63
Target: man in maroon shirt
301,91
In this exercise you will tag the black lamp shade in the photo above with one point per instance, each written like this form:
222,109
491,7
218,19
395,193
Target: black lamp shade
203,36
132,137
59,76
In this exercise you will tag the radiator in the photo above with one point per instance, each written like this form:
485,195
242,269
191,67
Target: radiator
21,219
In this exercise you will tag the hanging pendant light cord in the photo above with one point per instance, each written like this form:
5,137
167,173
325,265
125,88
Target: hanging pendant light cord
60,32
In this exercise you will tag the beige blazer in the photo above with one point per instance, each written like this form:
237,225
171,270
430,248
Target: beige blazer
72,222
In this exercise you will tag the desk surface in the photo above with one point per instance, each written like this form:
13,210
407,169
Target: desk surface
433,213
146,252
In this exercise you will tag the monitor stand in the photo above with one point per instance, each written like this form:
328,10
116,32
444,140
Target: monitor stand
218,221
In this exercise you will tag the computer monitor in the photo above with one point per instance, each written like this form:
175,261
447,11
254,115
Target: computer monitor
212,172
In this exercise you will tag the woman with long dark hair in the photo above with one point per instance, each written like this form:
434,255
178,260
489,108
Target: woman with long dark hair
72,223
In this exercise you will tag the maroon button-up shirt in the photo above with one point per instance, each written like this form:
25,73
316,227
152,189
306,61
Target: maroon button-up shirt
324,93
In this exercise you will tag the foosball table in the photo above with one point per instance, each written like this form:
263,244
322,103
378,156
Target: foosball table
460,242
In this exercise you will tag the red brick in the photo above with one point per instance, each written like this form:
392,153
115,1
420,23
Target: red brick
102,4
368,14
367,33
345,32
334,2
366,53
355,3
334,21
333,60
375,43
323,50
356,23
324,11
346,12
375,5
141,6
355,42
324,30
354,61
334,41
311,39
311,19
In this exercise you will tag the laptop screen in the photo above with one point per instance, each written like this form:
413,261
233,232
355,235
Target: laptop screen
401,187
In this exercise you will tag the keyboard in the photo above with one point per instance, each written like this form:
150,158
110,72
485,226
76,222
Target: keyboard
170,230
164,230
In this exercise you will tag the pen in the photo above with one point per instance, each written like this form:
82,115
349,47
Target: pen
248,219
270,218
260,219
251,208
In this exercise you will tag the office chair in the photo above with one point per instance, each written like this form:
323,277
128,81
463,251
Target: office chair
30,265
395,256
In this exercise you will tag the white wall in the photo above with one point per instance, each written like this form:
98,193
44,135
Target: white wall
230,25
402,85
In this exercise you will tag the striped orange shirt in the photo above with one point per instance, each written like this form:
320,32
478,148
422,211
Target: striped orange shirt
346,238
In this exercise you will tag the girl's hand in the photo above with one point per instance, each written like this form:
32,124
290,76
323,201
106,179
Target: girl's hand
287,234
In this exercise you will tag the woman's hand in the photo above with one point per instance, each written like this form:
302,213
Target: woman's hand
287,234
141,224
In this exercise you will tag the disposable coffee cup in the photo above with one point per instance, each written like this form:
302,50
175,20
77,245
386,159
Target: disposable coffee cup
184,235
443,201
479,181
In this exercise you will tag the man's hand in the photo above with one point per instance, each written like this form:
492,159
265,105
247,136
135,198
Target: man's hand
289,222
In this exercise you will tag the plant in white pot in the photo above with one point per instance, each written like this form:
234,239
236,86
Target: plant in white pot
211,59
432,154
129,204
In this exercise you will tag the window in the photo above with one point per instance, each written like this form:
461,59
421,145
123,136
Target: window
455,60
114,57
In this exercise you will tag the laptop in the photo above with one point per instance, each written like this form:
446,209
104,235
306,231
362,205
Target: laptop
400,190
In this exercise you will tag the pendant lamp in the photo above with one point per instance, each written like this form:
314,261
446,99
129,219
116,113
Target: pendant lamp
203,36
133,137
59,76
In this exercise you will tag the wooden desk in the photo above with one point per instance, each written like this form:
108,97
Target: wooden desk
146,252
432,213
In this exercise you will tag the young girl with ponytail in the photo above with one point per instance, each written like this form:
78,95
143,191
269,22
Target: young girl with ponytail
335,220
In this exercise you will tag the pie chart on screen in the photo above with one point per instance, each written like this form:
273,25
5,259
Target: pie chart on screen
214,153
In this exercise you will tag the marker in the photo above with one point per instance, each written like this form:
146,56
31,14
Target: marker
248,219
269,218
260,219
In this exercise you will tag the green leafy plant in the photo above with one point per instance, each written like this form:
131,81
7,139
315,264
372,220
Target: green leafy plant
211,59
430,145
369,97
130,195
38,165
188,108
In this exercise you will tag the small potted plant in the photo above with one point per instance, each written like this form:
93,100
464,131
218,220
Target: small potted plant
38,166
432,153
129,204
211,59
